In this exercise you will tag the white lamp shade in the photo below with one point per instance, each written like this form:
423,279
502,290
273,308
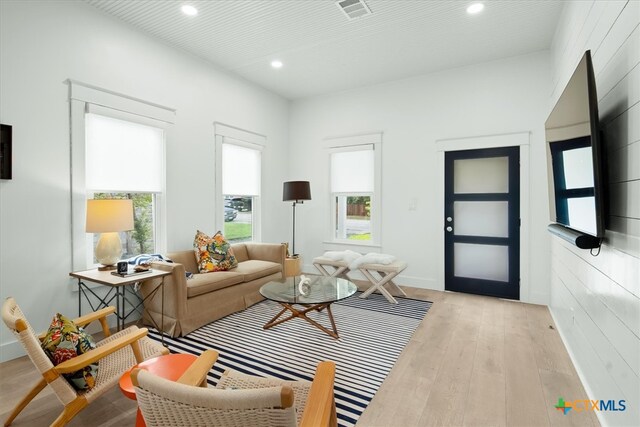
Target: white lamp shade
105,216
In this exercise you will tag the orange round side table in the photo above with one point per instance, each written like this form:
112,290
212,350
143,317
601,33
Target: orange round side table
170,366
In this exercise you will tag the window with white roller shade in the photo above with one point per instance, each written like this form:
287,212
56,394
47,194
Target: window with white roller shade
240,170
125,160
354,169
239,173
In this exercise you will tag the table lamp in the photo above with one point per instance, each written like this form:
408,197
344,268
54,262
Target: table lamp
109,217
296,192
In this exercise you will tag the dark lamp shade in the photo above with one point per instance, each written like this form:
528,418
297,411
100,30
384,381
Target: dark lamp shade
296,190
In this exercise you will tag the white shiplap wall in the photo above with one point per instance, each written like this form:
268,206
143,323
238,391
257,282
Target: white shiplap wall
596,300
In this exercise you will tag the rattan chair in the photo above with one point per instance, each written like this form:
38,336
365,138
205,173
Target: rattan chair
116,354
238,399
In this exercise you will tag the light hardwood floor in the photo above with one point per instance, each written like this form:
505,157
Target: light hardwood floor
473,361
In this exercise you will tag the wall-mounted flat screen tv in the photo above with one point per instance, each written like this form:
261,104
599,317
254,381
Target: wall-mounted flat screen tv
574,155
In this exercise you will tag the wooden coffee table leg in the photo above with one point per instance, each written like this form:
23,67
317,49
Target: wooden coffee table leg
333,323
303,315
333,333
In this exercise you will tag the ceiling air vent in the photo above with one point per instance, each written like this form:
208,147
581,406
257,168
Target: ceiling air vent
354,9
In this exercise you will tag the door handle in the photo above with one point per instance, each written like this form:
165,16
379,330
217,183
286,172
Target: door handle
448,224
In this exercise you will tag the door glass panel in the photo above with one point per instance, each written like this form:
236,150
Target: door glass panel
486,175
489,262
489,219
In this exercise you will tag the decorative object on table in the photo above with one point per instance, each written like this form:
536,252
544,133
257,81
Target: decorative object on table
132,273
304,286
364,325
213,253
296,192
286,246
123,267
147,259
5,151
109,217
142,268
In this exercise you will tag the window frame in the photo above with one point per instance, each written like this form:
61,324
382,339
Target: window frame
83,99
226,134
356,143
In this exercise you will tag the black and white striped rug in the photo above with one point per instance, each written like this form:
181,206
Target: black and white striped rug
372,332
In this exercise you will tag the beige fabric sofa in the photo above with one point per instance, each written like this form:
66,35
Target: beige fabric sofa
192,303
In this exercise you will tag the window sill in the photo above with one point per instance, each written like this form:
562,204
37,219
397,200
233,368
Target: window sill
351,243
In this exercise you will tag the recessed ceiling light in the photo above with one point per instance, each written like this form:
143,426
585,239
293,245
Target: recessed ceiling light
187,9
475,8
276,63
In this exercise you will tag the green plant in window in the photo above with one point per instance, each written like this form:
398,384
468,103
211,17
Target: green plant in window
142,230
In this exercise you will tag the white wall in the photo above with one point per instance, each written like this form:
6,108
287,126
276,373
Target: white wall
493,98
44,43
596,300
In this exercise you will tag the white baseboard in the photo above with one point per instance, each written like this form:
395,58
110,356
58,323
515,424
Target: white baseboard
536,298
581,375
11,350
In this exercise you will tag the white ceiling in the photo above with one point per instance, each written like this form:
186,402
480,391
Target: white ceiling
323,51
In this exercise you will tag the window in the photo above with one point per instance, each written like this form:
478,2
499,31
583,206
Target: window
125,160
241,171
354,165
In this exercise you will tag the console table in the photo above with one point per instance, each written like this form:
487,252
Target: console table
118,291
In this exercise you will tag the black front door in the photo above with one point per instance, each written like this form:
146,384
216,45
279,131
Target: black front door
482,222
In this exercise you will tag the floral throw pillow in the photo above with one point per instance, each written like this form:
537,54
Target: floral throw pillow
64,341
213,253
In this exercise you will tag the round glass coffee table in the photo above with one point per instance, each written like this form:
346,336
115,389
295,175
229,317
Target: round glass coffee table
322,292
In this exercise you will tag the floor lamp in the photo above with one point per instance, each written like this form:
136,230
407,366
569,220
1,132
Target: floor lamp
296,192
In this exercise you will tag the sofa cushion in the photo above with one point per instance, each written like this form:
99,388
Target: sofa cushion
204,283
254,269
213,253
240,251
186,258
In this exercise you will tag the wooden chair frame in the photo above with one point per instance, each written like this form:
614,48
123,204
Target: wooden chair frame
320,410
72,408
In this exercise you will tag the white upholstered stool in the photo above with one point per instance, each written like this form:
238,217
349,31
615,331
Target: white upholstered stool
386,272
337,268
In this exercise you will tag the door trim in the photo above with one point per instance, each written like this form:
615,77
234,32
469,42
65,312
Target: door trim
521,139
